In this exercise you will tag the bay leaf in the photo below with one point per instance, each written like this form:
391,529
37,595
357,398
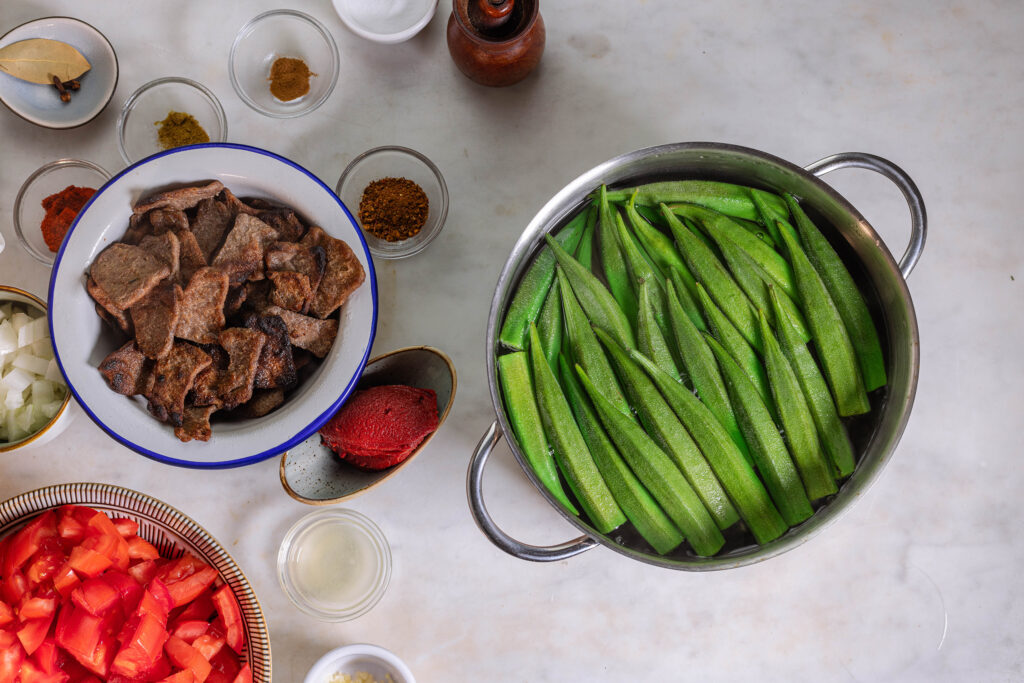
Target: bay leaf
38,60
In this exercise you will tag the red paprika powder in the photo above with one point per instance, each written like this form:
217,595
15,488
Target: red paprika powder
61,209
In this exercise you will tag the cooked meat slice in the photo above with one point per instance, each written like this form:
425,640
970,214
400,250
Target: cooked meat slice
204,389
291,290
191,258
287,224
155,318
117,318
138,227
173,376
276,368
202,306
126,370
168,219
241,206
236,299
300,258
127,273
165,247
213,220
180,199
241,256
196,423
243,346
343,276
312,334
262,402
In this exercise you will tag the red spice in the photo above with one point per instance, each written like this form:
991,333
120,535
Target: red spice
61,209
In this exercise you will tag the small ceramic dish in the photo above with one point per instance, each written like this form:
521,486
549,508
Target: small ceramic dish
41,104
62,418
45,181
352,659
311,473
381,23
276,34
334,564
138,125
396,162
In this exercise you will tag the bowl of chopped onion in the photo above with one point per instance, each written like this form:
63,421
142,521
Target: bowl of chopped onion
33,396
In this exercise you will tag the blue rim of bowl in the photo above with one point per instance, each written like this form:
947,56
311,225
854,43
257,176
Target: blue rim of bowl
117,73
247,29
319,420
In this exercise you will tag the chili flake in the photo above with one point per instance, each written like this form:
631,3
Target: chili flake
61,209
393,209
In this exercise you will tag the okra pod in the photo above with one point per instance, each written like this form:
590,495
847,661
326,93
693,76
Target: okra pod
613,262
641,270
770,213
585,249
666,430
831,339
795,416
658,474
767,448
634,500
533,288
730,199
521,406
570,450
649,337
549,325
849,301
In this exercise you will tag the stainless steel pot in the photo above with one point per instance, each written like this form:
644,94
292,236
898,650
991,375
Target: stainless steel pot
865,254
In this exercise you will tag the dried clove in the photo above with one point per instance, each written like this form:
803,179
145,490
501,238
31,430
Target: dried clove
73,84
65,96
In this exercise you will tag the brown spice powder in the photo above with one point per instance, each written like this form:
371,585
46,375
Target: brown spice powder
289,78
393,209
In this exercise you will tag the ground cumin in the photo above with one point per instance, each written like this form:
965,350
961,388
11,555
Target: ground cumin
289,78
393,209
61,209
180,129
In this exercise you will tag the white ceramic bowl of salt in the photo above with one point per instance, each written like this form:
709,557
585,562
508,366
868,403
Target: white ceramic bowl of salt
385,21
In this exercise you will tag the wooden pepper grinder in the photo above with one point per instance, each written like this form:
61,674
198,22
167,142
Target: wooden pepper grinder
496,42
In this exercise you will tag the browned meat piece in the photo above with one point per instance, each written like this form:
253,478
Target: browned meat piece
291,290
181,199
257,296
127,273
204,389
236,382
240,206
236,299
115,316
312,334
213,220
289,256
173,376
192,258
165,247
155,318
126,370
343,276
202,306
138,227
287,224
196,423
164,220
262,402
276,368
241,256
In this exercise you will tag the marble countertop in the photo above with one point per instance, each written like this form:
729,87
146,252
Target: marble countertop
920,581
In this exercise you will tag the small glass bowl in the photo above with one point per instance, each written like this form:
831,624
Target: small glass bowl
137,126
334,564
45,181
381,23
283,33
396,162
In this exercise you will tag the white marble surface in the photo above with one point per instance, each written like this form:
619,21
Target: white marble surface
919,582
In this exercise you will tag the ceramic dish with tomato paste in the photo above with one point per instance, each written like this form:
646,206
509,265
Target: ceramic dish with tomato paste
84,598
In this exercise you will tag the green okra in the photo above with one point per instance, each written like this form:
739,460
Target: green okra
767,448
585,348
830,428
716,279
849,301
521,407
687,300
658,474
613,262
585,249
795,416
641,270
533,288
699,364
598,303
718,226
649,337
664,427
570,450
634,500
731,467
549,325
831,340
769,213
728,198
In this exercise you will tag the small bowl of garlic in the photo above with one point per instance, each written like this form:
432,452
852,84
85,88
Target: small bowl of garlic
34,397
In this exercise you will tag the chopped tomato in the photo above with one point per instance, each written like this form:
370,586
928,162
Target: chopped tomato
200,608
127,588
68,527
156,600
37,608
225,667
191,629
33,632
139,654
227,608
183,676
244,676
191,587
78,632
66,580
6,613
185,656
44,566
88,562
101,658
144,571
14,587
141,549
11,657
47,656
26,542
208,645
126,527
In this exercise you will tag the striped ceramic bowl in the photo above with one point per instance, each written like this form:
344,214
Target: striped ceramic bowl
171,531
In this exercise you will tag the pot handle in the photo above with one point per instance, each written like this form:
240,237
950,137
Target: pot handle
474,491
918,219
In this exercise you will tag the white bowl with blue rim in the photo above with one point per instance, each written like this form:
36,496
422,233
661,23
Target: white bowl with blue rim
81,340
41,104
